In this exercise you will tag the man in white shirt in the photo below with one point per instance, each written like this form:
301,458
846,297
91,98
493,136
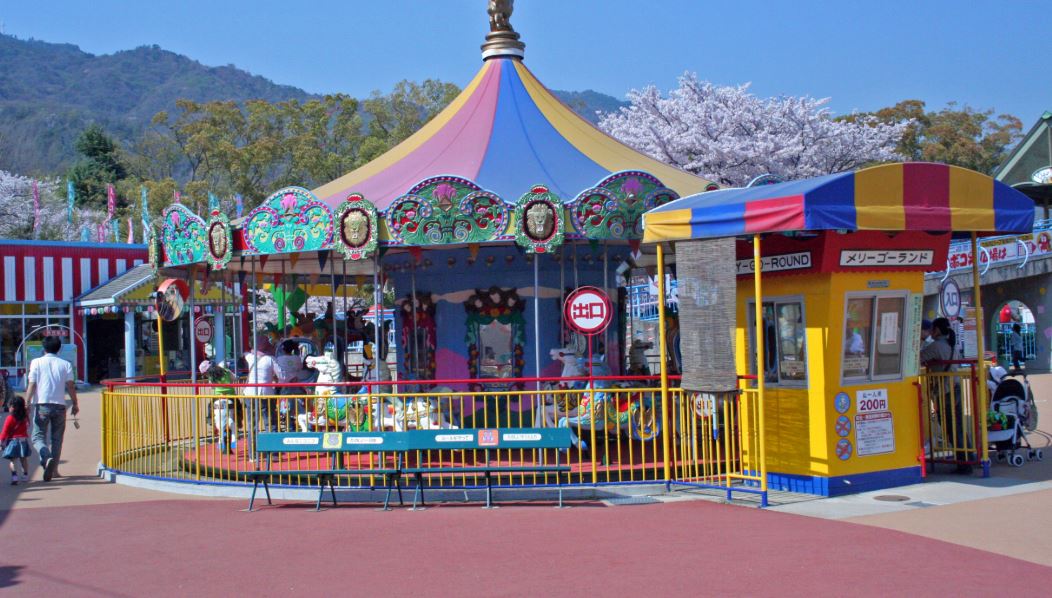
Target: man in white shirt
50,378
262,370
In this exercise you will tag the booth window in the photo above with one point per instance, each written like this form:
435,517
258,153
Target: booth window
873,337
785,357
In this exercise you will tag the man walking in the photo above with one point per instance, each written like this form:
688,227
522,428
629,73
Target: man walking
50,378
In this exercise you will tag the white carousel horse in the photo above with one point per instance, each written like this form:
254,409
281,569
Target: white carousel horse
426,413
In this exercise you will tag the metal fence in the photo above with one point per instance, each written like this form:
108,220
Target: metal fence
201,434
954,427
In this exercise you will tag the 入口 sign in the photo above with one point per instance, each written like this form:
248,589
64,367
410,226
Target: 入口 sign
950,299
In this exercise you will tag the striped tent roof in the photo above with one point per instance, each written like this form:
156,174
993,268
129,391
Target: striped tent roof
507,133
894,197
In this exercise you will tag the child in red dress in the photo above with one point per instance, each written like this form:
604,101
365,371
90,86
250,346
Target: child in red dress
15,439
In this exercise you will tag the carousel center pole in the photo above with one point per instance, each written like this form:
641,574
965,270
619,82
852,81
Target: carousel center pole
251,432
663,349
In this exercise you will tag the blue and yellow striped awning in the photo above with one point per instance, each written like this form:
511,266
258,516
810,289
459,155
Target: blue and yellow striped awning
892,197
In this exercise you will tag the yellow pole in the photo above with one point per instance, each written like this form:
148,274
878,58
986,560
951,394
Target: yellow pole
980,369
160,342
757,261
663,350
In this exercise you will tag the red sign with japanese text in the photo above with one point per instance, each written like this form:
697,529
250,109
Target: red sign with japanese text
588,310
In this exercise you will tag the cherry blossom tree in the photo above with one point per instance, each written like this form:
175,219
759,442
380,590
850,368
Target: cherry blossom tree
730,136
17,217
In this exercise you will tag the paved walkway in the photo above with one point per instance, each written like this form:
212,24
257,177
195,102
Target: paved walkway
82,536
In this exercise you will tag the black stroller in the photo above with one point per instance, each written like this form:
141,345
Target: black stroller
1012,415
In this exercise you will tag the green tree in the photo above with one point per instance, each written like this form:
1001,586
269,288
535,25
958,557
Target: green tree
258,147
100,164
958,135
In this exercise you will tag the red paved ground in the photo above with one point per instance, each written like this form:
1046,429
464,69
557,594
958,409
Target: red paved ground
208,548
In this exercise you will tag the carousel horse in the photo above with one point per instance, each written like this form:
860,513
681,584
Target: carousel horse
329,409
630,413
548,411
426,413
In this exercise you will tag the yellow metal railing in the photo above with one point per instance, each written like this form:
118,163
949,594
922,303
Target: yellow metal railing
953,418
188,433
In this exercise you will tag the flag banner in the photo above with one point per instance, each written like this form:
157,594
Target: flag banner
239,205
100,232
111,201
71,196
85,233
144,196
116,226
213,202
131,231
36,208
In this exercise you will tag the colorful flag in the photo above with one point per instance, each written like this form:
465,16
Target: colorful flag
213,202
85,233
36,208
100,232
131,230
240,204
116,225
71,195
178,197
144,195
111,201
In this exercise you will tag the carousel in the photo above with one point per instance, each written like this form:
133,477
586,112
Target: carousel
479,226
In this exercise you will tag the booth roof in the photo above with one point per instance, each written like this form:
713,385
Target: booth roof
136,287
891,197
507,133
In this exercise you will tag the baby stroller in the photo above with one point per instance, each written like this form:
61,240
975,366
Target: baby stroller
1012,414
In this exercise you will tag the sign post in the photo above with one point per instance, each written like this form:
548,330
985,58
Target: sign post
588,311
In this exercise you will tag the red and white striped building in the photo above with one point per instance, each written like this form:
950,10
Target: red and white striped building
40,281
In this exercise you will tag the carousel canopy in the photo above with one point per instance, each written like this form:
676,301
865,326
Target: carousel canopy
507,133
891,197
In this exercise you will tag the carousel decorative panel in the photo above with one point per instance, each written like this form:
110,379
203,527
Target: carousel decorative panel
539,221
183,236
290,220
446,210
613,209
220,240
356,221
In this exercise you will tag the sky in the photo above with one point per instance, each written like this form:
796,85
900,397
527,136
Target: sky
862,55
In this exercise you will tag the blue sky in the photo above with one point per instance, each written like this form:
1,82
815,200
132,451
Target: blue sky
864,55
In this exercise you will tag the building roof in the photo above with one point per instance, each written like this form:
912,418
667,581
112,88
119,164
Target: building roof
890,197
136,286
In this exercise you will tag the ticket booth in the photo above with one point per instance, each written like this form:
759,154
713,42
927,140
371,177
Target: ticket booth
841,326
841,274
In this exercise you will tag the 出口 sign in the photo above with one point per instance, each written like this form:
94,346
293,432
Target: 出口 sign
587,310
870,258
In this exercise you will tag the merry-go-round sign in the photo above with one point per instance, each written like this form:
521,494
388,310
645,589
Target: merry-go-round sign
588,310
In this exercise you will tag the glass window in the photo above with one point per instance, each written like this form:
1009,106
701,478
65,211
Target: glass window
496,352
792,362
11,309
784,333
857,332
58,309
10,338
873,337
887,359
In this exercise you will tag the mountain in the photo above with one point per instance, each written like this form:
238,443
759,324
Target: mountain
50,92
589,103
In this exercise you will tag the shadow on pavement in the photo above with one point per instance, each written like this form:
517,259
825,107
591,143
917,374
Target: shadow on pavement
9,575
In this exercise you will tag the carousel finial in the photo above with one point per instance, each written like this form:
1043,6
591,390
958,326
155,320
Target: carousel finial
501,40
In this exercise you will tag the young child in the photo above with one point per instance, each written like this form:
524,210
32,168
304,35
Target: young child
15,439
